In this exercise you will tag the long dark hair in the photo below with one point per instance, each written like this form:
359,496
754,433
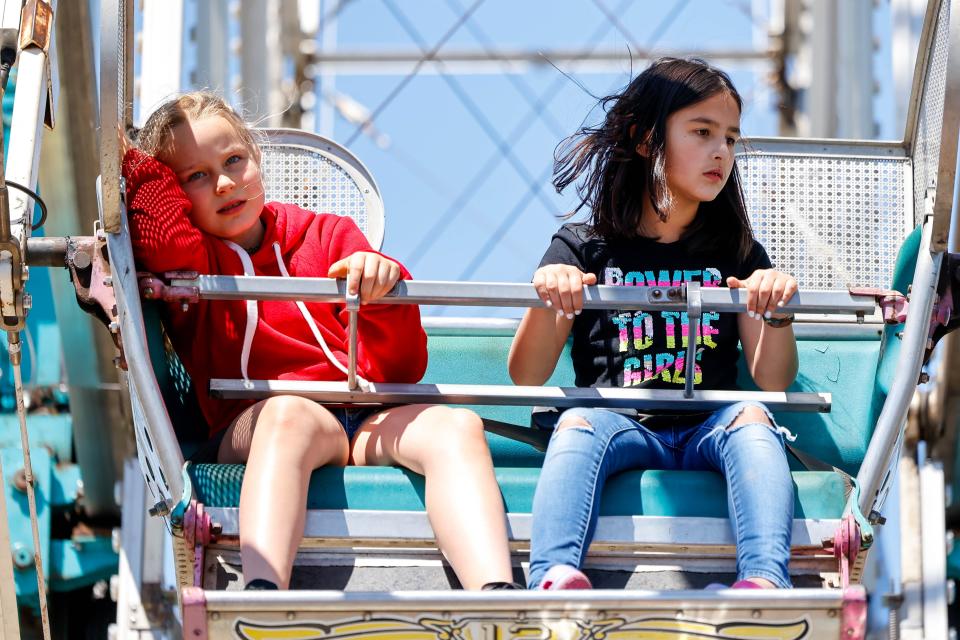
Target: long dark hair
617,178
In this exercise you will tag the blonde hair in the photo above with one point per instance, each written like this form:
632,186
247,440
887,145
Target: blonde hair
156,135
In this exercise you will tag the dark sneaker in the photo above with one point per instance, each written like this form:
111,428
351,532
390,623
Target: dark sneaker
259,584
500,586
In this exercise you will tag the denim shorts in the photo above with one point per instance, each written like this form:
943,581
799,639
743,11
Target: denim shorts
350,418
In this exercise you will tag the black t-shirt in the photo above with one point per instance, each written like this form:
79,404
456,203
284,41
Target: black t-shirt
625,348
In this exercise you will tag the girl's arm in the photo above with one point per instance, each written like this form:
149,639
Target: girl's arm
543,332
770,352
158,210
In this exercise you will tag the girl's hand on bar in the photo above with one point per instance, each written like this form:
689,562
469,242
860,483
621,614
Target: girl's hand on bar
369,274
560,286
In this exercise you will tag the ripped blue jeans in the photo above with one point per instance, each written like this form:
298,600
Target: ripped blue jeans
580,458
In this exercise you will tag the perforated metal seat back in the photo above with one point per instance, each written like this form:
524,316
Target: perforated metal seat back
832,220
321,176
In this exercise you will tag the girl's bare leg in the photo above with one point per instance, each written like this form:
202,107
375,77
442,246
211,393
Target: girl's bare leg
464,505
282,440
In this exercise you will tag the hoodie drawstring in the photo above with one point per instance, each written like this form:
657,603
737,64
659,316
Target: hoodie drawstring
252,314
252,317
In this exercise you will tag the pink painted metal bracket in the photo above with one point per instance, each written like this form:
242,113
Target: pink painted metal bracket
854,613
893,304
153,287
90,273
198,531
846,547
194,604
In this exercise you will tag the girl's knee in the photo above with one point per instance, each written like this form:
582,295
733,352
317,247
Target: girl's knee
452,427
288,415
755,421
580,428
580,419
750,413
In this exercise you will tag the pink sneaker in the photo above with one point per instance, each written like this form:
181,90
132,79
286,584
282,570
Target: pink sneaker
563,576
745,584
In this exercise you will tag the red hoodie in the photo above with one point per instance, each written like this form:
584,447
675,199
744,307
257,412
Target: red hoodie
209,336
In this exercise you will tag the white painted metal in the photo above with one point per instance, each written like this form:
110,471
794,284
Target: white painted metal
906,17
756,613
818,56
140,560
326,79
933,547
161,60
26,128
211,39
261,61
946,159
116,70
855,88
160,455
882,450
672,601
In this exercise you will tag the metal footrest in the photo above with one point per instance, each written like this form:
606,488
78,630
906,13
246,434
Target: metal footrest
412,529
616,398
789,614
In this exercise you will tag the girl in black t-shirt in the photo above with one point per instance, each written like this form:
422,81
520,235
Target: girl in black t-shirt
660,182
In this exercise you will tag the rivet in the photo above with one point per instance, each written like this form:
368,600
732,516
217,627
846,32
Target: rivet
20,480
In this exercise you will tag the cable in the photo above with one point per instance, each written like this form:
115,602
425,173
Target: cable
430,55
512,219
36,198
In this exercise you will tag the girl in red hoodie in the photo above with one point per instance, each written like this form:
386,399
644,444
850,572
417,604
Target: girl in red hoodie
196,202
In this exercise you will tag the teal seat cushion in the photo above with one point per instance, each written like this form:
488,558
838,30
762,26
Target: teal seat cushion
650,493
843,367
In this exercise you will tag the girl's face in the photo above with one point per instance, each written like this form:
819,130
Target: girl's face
221,178
700,141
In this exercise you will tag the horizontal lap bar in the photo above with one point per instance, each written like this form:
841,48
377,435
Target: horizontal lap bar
505,294
391,393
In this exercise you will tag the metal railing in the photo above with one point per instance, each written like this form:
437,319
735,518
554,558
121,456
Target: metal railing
689,297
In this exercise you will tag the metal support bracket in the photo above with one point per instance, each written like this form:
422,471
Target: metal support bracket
846,548
893,304
353,306
198,532
694,311
36,30
154,288
90,272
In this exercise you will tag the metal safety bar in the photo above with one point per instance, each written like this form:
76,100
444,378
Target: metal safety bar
516,395
505,294
690,298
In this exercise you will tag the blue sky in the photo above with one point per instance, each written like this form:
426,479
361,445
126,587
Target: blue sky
499,230
456,207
